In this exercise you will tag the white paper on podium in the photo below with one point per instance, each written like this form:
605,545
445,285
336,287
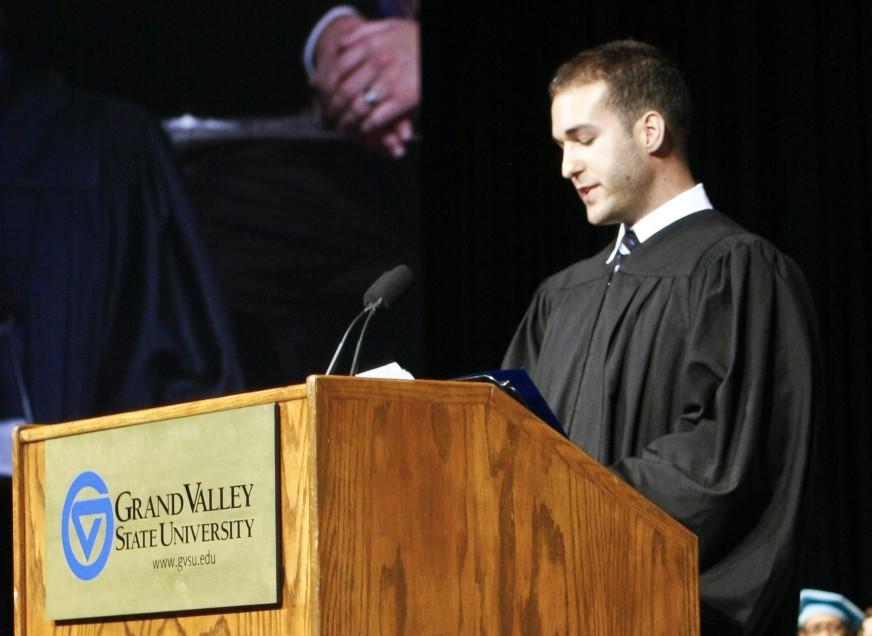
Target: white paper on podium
390,371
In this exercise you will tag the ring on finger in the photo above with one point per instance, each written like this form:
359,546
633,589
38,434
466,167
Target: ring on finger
370,96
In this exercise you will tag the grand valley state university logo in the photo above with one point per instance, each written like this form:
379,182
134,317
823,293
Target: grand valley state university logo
87,525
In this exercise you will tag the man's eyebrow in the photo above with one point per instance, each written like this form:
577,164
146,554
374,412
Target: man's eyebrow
580,128
574,132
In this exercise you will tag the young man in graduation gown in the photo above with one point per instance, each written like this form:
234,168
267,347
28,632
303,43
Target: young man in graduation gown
683,355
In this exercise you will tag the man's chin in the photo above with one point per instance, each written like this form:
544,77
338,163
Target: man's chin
603,216
597,216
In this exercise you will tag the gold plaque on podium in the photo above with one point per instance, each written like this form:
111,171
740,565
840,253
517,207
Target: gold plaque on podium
174,515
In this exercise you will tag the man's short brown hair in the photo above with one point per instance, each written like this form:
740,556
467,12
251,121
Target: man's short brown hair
639,78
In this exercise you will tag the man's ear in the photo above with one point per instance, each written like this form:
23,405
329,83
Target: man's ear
651,133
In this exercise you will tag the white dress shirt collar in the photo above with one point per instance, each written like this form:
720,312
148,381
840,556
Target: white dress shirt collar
691,200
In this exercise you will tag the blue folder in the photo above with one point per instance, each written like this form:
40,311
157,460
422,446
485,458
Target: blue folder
518,384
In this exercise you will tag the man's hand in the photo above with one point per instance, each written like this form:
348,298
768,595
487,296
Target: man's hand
368,75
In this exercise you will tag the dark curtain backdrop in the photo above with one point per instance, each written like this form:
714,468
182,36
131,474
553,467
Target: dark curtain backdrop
783,97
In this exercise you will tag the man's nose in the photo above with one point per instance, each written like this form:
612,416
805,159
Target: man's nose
572,163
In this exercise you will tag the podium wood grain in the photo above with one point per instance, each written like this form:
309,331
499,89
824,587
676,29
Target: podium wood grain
417,508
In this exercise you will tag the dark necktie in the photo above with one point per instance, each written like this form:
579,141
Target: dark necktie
628,244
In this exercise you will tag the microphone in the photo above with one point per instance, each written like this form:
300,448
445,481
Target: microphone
390,287
387,290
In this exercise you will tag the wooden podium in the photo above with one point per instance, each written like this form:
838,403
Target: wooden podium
416,507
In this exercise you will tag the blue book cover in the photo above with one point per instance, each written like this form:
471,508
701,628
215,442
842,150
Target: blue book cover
520,386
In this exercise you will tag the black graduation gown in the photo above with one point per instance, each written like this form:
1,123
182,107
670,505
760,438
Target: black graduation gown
101,263
692,374
101,266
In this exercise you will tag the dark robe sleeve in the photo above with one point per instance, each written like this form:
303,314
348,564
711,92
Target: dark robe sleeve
733,470
169,339
523,351
102,266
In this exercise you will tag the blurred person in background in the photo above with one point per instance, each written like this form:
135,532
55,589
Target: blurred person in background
822,613
107,298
